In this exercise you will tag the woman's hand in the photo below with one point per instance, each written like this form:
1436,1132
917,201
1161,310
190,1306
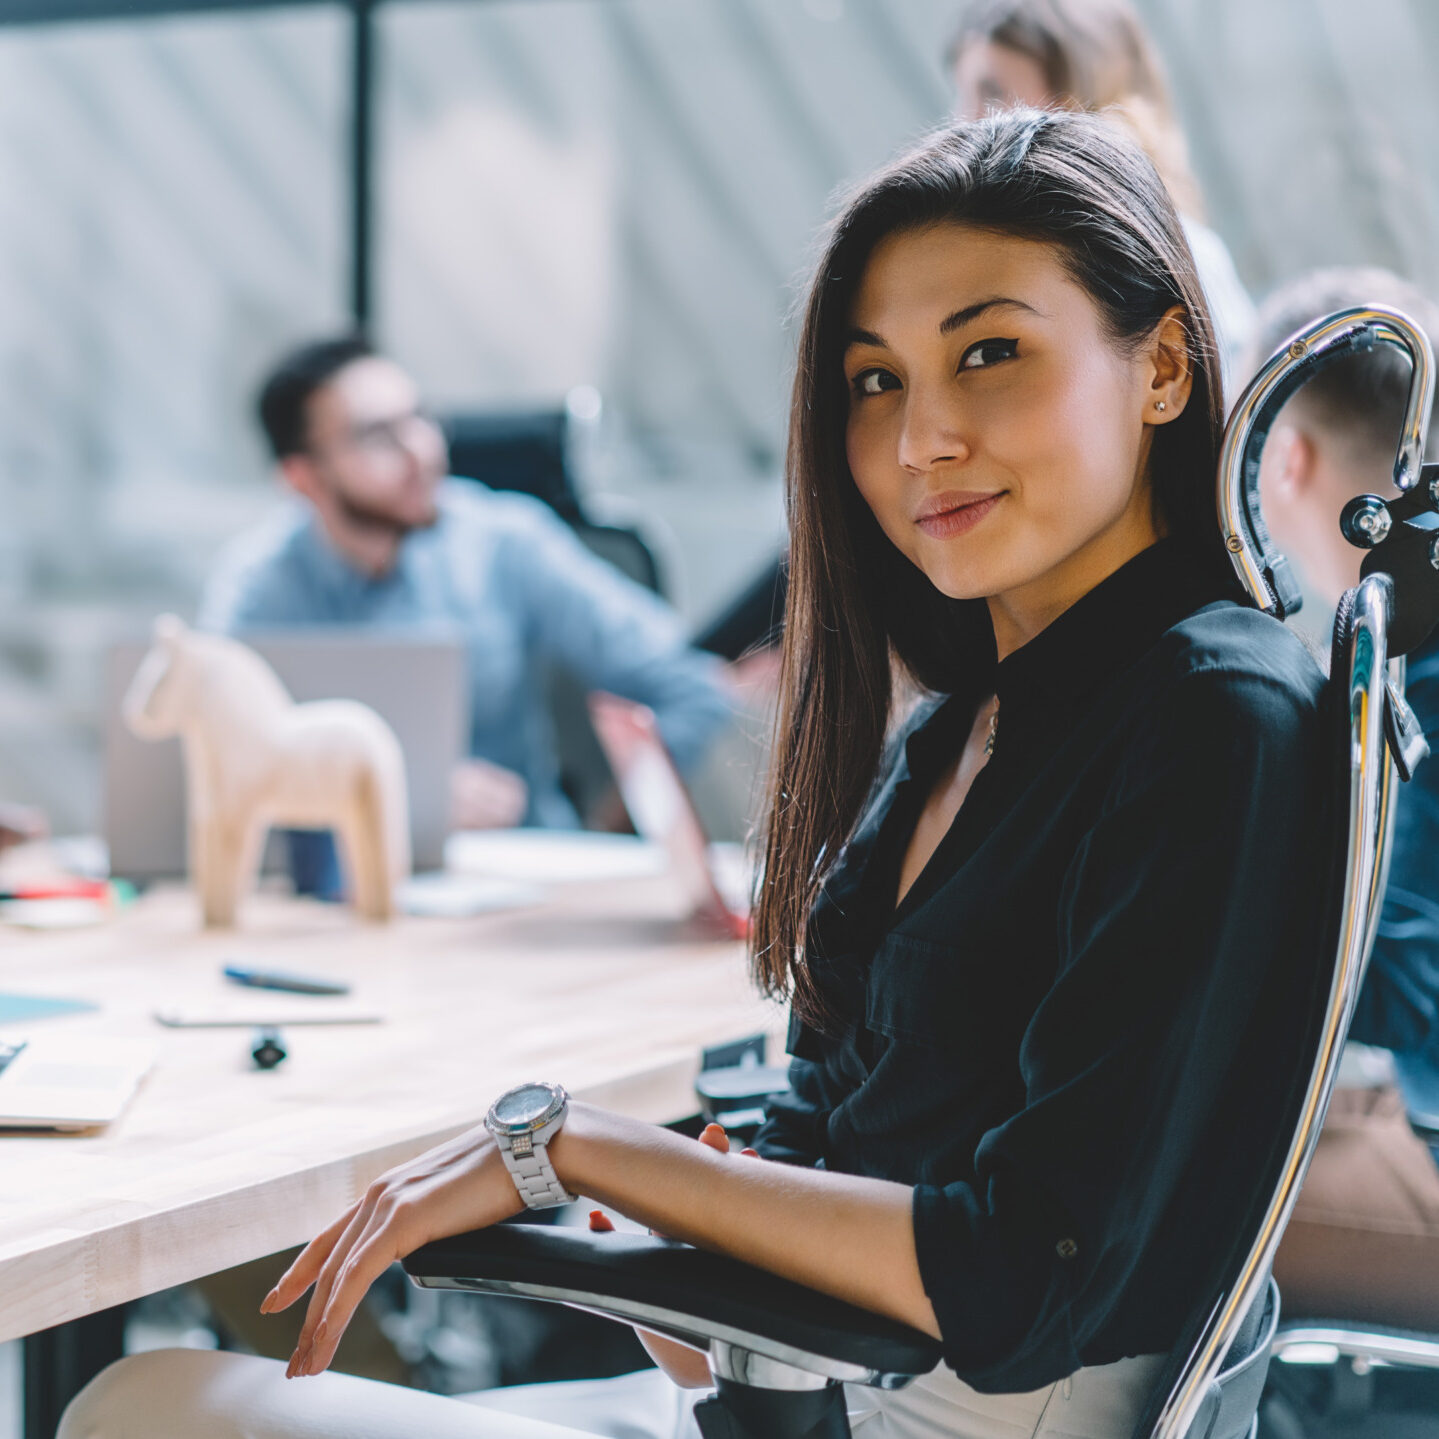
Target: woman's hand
451,1189
846,1235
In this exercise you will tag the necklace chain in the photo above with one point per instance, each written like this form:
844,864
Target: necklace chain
993,730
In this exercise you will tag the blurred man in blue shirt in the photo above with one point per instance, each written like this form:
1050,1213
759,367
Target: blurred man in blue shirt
1364,1239
374,534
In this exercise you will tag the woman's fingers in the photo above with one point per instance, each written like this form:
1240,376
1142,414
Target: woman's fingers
319,1299
715,1136
455,1187
359,1222
306,1268
369,1260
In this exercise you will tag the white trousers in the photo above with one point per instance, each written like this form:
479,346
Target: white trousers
200,1394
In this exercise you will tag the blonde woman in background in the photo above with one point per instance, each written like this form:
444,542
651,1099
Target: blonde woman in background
1096,55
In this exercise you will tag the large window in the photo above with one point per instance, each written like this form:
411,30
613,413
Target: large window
623,193
619,194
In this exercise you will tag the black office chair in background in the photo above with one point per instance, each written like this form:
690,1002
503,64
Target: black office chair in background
780,1352
523,450
530,451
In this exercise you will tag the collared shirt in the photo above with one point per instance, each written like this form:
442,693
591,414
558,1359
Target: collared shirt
1076,1035
513,581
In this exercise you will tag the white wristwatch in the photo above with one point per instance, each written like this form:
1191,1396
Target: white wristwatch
524,1120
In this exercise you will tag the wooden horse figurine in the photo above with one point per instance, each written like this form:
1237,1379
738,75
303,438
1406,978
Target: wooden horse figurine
254,758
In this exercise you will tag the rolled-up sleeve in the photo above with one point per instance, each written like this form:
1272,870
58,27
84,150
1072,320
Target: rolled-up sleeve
1182,903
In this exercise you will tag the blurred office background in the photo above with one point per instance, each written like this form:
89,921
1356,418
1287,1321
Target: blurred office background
618,194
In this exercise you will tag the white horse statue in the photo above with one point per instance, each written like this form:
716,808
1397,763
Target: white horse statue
254,758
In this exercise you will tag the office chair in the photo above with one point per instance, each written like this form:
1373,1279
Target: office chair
781,1353
520,450
1403,562
528,451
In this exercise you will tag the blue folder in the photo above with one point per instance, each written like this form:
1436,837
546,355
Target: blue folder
22,1008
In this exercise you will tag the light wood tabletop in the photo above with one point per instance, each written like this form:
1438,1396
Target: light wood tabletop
215,1162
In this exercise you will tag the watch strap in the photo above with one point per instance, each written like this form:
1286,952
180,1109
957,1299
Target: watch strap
534,1175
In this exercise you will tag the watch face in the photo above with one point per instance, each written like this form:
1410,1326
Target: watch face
526,1106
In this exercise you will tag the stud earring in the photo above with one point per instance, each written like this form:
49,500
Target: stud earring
1160,405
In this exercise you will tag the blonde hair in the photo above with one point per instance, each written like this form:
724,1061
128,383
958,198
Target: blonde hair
1096,56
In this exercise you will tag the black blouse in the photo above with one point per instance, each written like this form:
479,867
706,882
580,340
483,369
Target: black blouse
1072,1036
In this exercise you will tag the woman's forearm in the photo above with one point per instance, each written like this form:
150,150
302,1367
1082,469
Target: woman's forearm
844,1235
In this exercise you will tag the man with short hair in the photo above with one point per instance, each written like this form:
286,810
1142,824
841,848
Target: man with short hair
380,537
1364,1239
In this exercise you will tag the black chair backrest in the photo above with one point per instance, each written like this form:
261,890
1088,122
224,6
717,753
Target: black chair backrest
627,550
523,450
527,451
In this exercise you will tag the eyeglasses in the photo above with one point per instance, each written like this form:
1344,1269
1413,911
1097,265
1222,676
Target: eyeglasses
384,439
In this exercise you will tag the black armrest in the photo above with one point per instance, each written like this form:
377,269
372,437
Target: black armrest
689,1294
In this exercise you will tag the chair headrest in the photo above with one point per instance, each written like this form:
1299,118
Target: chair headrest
1262,569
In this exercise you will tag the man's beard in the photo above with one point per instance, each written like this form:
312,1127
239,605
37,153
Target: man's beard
374,520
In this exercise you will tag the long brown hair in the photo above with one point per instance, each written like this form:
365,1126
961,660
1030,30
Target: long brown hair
1094,55
856,606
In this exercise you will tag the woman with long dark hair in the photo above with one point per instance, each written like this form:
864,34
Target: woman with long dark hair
1038,935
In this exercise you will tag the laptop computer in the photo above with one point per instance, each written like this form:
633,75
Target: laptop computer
715,877
68,1082
416,684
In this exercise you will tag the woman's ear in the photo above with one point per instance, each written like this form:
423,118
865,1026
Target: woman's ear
1168,368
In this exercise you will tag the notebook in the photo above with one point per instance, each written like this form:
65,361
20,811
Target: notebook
68,1082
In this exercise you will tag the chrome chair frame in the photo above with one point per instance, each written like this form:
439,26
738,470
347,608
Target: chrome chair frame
774,1386
1262,570
1375,687
1370,822
1370,1343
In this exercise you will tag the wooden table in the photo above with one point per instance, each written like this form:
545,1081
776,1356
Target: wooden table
215,1163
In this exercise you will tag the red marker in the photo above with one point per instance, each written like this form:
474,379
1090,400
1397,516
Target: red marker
59,889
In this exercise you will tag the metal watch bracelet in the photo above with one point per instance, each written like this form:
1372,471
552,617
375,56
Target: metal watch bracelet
534,1174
